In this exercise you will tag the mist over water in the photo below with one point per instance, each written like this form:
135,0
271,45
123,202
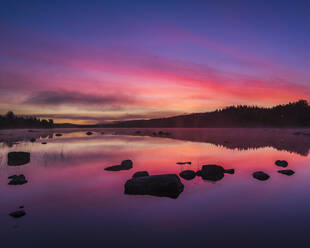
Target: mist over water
71,200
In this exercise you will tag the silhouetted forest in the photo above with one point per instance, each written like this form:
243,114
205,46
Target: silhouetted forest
10,120
296,114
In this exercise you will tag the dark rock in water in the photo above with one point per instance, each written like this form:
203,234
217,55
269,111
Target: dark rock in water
17,180
89,133
102,132
141,174
259,175
287,172
18,158
33,140
18,214
168,185
213,172
230,171
160,133
58,134
188,174
43,143
138,132
21,206
154,134
163,133
281,163
182,163
125,165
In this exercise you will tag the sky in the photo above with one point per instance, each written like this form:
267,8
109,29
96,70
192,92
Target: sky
102,61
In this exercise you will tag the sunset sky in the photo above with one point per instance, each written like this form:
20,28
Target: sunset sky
100,61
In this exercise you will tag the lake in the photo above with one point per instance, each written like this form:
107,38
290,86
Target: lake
71,201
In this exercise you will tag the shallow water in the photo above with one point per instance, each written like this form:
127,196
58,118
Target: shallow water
71,201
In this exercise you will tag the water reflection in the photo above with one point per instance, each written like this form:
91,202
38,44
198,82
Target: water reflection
67,179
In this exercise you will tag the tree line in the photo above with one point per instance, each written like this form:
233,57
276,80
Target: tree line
10,120
295,114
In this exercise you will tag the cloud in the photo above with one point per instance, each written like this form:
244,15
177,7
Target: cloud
76,98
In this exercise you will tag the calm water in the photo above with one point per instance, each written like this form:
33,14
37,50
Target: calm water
71,201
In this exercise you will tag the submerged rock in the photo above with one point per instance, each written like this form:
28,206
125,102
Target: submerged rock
230,171
281,163
17,180
213,172
182,163
18,158
287,172
125,165
167,185
58,134
140,174
17,214
188,174
259,175
89,133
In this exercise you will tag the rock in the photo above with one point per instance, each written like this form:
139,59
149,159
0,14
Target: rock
58,134
125,165
138,132
18,214
167,185
281,163
18,158
259,175
140,174
230,171
188,174
287,172
213,172
102,132
160,133
43,143
182,163
17,180
21,206
33,140
89,133
154,134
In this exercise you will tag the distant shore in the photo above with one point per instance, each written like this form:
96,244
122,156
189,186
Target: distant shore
295,140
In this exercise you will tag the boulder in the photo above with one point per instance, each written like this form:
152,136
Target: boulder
167,185
17,214
43,143
281,163
141,174
89,133
58,134
18,158
125,165
259,175
17,180
213,172
287,172
188,174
